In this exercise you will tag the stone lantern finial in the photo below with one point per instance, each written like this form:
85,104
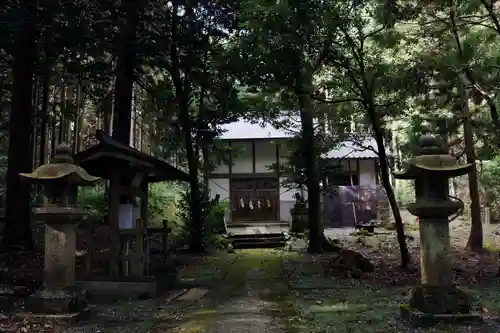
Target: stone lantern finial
63,154
431,145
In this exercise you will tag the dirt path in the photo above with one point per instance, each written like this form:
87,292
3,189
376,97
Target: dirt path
251,297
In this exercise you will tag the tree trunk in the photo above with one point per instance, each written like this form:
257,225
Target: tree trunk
206,171
17,233
310,152
196,223
475,242
386,182
44,112
125,74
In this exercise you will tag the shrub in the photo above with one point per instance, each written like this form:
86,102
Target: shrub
162,202
491,181
93,199
405,192
213,212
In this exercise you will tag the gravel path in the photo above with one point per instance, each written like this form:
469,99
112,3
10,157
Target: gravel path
248,311
254,283
249,299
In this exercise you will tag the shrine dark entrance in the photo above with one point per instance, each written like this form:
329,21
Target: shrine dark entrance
254,199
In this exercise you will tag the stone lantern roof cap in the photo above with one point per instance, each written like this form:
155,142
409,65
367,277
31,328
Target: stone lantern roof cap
61,169
432,156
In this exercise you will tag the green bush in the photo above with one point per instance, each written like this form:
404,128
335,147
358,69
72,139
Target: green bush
93,199
170,202
490,179
162,202
213,212
405,192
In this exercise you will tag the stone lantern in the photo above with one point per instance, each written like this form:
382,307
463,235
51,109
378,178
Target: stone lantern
59,179
436,299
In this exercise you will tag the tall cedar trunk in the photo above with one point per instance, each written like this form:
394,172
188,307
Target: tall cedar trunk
35,119
60,116
107,113
206,171
125,74
196,232
17,232
475,242
53,136
385,178
44,112
310,153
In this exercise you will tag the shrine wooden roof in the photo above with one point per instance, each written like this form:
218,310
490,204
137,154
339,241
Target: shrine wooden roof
109,156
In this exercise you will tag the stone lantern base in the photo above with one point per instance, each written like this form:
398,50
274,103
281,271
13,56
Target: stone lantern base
68,305
432,305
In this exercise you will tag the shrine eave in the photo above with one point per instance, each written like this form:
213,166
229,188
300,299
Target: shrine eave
109,156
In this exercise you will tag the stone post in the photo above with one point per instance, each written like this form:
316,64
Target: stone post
436,299
59,298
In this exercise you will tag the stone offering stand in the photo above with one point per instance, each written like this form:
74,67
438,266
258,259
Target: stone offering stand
436,299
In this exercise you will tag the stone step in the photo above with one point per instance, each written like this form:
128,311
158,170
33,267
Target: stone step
253,241
275,245
257,236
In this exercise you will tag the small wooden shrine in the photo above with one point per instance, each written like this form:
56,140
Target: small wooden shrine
129,172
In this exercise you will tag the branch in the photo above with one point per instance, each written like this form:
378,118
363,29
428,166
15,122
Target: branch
322,56
481,24
337,101
488,4
374,32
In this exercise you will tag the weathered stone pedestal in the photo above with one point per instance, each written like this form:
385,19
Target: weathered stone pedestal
299,218
59,299
437,299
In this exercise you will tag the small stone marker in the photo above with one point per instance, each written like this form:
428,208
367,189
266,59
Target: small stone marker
436,299
193,294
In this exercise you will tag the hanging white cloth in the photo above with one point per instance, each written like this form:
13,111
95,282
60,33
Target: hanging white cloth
268,204
259,204
242,203
250,204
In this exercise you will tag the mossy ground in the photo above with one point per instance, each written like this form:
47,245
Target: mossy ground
235,281
289,290
332,305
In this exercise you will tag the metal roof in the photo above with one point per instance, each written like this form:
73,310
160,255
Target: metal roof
350,149
244,130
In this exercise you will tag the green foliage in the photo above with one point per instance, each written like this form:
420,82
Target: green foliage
217,241
162,203
405,192
213,225
93,199
490,179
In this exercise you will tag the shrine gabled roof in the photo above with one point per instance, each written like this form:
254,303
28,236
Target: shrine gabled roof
109,156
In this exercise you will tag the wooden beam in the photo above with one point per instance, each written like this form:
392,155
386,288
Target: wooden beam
253,157
278,190
113,216
230,185
230,175
230,159
358,174
278,159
